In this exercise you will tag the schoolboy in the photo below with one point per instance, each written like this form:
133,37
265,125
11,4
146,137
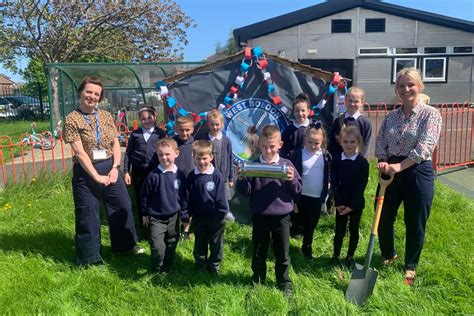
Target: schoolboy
353,102
221,151
184,129
271,202
162,199
207,204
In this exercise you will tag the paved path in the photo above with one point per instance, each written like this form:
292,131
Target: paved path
459,179
24,167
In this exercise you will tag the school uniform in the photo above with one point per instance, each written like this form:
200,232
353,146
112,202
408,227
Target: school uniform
314,171
162,198
185,161
138,160
363,125
223,161
349,177
415,138
222,152
271,202
293,138
97,131
206,202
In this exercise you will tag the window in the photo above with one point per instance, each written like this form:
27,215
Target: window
406,50
434,69
373,51
341,26
374,25
400,63
462,49
435,50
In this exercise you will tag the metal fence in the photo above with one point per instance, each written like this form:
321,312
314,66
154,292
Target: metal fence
46,153
25,102
455,145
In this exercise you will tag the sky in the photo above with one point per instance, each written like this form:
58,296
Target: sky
215,19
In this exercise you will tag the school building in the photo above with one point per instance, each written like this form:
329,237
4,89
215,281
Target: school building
369,41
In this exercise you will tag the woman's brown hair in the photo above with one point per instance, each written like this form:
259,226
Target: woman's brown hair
91,80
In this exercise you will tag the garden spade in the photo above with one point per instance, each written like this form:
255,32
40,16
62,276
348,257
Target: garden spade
363,277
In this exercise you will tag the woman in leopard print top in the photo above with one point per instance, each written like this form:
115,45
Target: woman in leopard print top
93,138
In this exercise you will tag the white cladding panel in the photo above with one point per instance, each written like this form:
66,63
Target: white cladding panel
374,74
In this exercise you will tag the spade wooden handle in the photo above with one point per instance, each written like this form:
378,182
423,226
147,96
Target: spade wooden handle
384,181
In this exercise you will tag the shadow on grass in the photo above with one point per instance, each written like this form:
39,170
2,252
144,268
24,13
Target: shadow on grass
184,274
242,245
53,244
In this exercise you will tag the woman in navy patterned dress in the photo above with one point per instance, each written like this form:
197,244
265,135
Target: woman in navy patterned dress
404,146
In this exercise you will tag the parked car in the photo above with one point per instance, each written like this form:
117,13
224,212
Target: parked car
6,108
130,99
27,108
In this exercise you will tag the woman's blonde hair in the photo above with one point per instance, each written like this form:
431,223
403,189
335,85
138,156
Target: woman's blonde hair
413,74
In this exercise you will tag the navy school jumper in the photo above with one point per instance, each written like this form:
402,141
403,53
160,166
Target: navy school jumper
227,165
293,140
185,161
163,193
365,129
348,181
207,204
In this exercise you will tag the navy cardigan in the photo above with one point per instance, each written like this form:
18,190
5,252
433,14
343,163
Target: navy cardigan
140,153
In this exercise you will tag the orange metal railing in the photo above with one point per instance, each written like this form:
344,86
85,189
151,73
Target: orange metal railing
454,149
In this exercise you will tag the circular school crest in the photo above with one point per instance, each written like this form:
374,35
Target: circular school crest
210,186
243,122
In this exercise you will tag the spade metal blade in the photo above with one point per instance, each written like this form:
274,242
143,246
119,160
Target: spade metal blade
361,285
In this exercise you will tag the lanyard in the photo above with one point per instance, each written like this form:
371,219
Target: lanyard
97,125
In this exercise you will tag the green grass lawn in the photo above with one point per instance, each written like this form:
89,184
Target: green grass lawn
15,130
38,275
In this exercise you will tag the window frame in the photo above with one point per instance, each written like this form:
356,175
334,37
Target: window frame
444,78
378,19
343,32
373,54
440,53
466,46
405,54
394,65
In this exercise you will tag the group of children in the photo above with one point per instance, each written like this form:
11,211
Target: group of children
177,180
189,180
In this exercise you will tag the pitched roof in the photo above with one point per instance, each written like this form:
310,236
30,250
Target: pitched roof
6,81
325,75
331,7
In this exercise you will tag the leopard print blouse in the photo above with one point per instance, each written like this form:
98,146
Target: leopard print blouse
77,128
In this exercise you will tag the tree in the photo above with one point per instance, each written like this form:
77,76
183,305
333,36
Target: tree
54,31
35,77
229,48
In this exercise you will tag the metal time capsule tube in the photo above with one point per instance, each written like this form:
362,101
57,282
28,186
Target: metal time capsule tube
256,169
